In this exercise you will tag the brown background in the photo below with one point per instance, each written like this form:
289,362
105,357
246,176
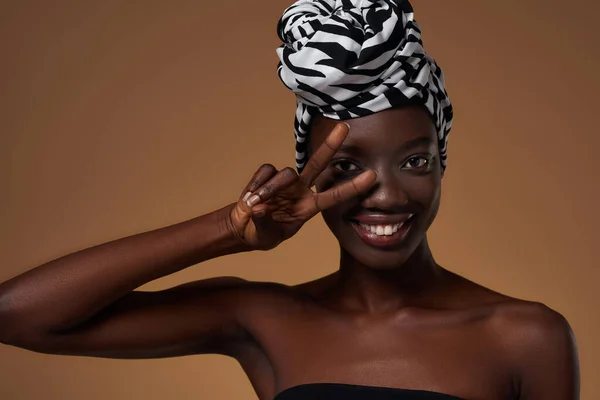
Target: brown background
118,117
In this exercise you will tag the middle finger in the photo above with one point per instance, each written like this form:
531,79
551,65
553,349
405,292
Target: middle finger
318,161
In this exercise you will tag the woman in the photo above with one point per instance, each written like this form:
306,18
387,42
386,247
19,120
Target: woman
391,323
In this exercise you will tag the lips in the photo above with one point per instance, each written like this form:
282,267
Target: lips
382,230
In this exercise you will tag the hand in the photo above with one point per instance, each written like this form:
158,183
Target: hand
275,204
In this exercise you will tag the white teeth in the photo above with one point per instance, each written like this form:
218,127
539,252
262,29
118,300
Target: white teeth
382,230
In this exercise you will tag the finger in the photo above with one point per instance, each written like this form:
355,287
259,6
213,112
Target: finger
260,211
260,177
318,161
346,191
263,224
280,181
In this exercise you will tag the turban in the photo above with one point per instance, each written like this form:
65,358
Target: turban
351,58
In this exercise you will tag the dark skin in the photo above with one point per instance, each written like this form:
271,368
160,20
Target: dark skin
388,317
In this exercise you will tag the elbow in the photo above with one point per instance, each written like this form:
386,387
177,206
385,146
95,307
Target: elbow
27,339
8,335
10,332
13,330
17,328
20,330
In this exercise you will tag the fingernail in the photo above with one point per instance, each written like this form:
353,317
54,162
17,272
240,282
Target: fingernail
348,125
246,196
253,200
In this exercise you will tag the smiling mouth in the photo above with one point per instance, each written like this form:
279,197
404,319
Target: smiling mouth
382,235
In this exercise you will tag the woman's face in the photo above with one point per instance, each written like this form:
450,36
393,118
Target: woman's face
382,228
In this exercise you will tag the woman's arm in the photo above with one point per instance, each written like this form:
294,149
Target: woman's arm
85,303
89,294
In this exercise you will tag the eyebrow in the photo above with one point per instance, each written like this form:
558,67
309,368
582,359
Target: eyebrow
422,140
351,149
411,144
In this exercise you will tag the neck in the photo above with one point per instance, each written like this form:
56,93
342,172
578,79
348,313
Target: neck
371,290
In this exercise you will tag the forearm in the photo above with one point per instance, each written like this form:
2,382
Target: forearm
63,293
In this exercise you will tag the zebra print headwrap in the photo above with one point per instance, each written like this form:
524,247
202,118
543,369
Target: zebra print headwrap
352,58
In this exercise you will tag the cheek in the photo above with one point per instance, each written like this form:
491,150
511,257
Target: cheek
423,194
427,194
333,218
426,191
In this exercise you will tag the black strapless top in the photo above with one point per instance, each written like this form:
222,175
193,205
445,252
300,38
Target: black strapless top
339,391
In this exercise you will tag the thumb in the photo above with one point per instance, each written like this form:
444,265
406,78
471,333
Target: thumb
259,214
266,230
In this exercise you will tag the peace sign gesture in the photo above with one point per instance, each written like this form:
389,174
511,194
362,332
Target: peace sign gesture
275,204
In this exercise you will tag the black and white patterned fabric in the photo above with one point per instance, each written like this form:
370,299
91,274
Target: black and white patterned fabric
351,58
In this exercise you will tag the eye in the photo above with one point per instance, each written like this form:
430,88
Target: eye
345,166
416,162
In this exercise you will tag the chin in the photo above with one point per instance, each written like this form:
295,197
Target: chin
379,260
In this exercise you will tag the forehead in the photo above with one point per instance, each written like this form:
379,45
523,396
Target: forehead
387,129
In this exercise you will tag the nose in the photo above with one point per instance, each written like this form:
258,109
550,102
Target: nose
387,194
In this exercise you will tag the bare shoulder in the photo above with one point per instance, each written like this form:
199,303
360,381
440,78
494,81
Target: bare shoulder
539,345
527,324
509,313
525,327
531,325
533,341
536,340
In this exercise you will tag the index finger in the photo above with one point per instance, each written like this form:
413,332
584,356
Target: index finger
347,190
318,161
